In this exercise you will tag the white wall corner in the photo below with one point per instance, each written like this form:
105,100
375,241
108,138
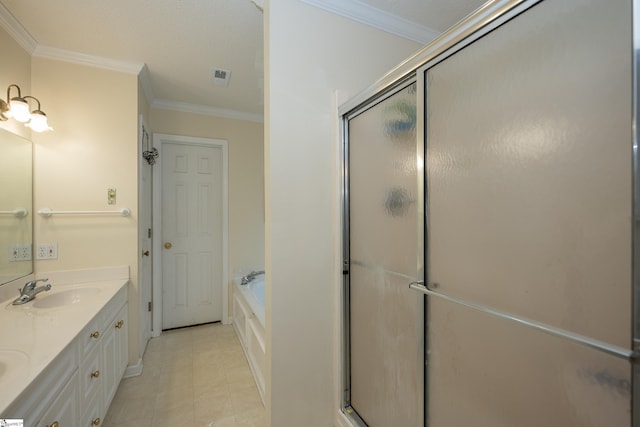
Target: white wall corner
145,82
15,29
377,18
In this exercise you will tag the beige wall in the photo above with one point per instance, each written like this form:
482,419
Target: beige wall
94,113
309,54
246,177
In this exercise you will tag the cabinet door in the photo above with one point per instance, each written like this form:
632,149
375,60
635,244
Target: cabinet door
115,353
122,338
64,410
110,360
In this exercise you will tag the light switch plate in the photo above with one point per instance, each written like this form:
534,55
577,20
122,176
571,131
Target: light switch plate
111,196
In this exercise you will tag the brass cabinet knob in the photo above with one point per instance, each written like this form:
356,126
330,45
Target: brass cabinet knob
95,334
96,422
120,324
95,374
53,424
168,245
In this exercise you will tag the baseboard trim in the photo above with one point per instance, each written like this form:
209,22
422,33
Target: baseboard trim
133,370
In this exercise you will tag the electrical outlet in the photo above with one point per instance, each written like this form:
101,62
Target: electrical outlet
24,253
47,251
19,253
13,253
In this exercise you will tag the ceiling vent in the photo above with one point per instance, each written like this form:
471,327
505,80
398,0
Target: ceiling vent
221,77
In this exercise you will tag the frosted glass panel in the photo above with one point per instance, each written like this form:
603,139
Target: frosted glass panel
529,169
386,350
383,184
386,341
487,372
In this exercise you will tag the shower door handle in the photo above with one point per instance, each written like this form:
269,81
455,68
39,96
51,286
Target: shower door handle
612,349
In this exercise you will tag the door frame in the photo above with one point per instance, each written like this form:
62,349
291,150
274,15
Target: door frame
158,140
144,141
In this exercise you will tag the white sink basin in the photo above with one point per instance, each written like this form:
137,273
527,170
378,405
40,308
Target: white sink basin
64,298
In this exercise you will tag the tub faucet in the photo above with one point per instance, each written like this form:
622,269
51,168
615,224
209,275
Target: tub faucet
249,277
29,291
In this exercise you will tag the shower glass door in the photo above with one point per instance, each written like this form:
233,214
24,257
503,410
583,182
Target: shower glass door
529,190
385,352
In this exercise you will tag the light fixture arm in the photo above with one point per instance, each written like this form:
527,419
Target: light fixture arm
37,100
9,92
5,106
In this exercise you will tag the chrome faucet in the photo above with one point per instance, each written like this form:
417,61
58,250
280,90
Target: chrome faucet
29,291
249,277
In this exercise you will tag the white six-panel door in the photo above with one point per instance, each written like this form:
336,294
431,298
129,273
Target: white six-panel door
192,234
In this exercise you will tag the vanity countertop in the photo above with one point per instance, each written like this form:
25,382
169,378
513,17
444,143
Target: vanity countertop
33,334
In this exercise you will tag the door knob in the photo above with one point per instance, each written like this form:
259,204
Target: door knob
168,245
145,253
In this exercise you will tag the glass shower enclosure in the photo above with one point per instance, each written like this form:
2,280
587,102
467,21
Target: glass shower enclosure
491,211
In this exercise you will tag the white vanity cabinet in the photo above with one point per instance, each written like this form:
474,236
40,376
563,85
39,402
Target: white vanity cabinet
77,387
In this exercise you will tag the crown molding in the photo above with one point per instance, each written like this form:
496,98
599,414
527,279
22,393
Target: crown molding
377,18
15,29
130,67
204,110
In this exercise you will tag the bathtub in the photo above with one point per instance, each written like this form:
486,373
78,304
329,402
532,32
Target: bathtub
248,321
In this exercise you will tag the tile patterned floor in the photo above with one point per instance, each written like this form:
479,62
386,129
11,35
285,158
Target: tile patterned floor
196,377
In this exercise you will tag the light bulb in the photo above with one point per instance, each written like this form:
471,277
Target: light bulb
38,122
19,110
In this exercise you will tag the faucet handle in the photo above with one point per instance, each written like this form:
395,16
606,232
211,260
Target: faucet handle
31,285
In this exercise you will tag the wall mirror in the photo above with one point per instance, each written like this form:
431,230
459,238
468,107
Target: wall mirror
16,212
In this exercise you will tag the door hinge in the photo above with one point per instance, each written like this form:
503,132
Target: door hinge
149,306
149,233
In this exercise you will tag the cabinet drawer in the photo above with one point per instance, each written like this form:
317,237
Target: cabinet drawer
90,336
91,376
113,306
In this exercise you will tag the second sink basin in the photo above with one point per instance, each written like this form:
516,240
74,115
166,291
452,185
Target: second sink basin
64,298
12,364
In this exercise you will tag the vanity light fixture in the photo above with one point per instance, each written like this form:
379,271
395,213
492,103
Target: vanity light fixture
18,108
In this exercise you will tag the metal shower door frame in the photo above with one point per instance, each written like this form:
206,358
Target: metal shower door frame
487,18
378,97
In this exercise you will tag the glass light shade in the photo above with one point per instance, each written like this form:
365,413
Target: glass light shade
19,110
38,122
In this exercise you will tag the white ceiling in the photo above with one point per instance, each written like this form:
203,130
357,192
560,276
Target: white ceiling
181,42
